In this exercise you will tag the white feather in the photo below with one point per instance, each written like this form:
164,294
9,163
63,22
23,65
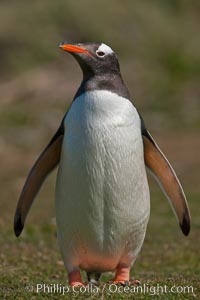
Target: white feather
102,194
104,48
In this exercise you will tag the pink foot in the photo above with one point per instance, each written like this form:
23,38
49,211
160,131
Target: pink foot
75,279
122,275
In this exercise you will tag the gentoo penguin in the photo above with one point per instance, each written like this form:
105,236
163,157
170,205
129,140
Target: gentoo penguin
102,196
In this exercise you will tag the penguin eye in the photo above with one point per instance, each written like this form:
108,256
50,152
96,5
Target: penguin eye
100,53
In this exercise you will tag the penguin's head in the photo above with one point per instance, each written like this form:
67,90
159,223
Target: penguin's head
93,58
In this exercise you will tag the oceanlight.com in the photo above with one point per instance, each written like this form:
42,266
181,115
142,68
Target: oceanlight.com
110,288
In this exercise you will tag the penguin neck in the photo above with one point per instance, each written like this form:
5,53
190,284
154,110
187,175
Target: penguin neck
110,82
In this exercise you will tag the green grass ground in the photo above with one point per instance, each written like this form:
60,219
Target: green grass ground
167,259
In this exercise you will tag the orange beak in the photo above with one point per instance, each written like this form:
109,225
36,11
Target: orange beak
74,49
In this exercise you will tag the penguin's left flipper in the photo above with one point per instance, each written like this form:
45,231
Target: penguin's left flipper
46,162
163,172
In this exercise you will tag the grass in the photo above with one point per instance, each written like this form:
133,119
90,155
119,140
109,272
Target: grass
167,259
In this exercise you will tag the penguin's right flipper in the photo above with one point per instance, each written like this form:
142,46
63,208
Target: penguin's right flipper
46,162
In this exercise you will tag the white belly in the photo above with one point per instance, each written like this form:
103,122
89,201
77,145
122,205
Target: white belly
102,195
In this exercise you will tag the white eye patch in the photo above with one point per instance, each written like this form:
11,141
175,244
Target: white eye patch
103,48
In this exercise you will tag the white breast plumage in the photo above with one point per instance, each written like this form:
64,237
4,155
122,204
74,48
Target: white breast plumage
102,195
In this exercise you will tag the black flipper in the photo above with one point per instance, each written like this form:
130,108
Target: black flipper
162,171
46,162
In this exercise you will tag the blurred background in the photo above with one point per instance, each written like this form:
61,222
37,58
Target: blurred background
158,46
